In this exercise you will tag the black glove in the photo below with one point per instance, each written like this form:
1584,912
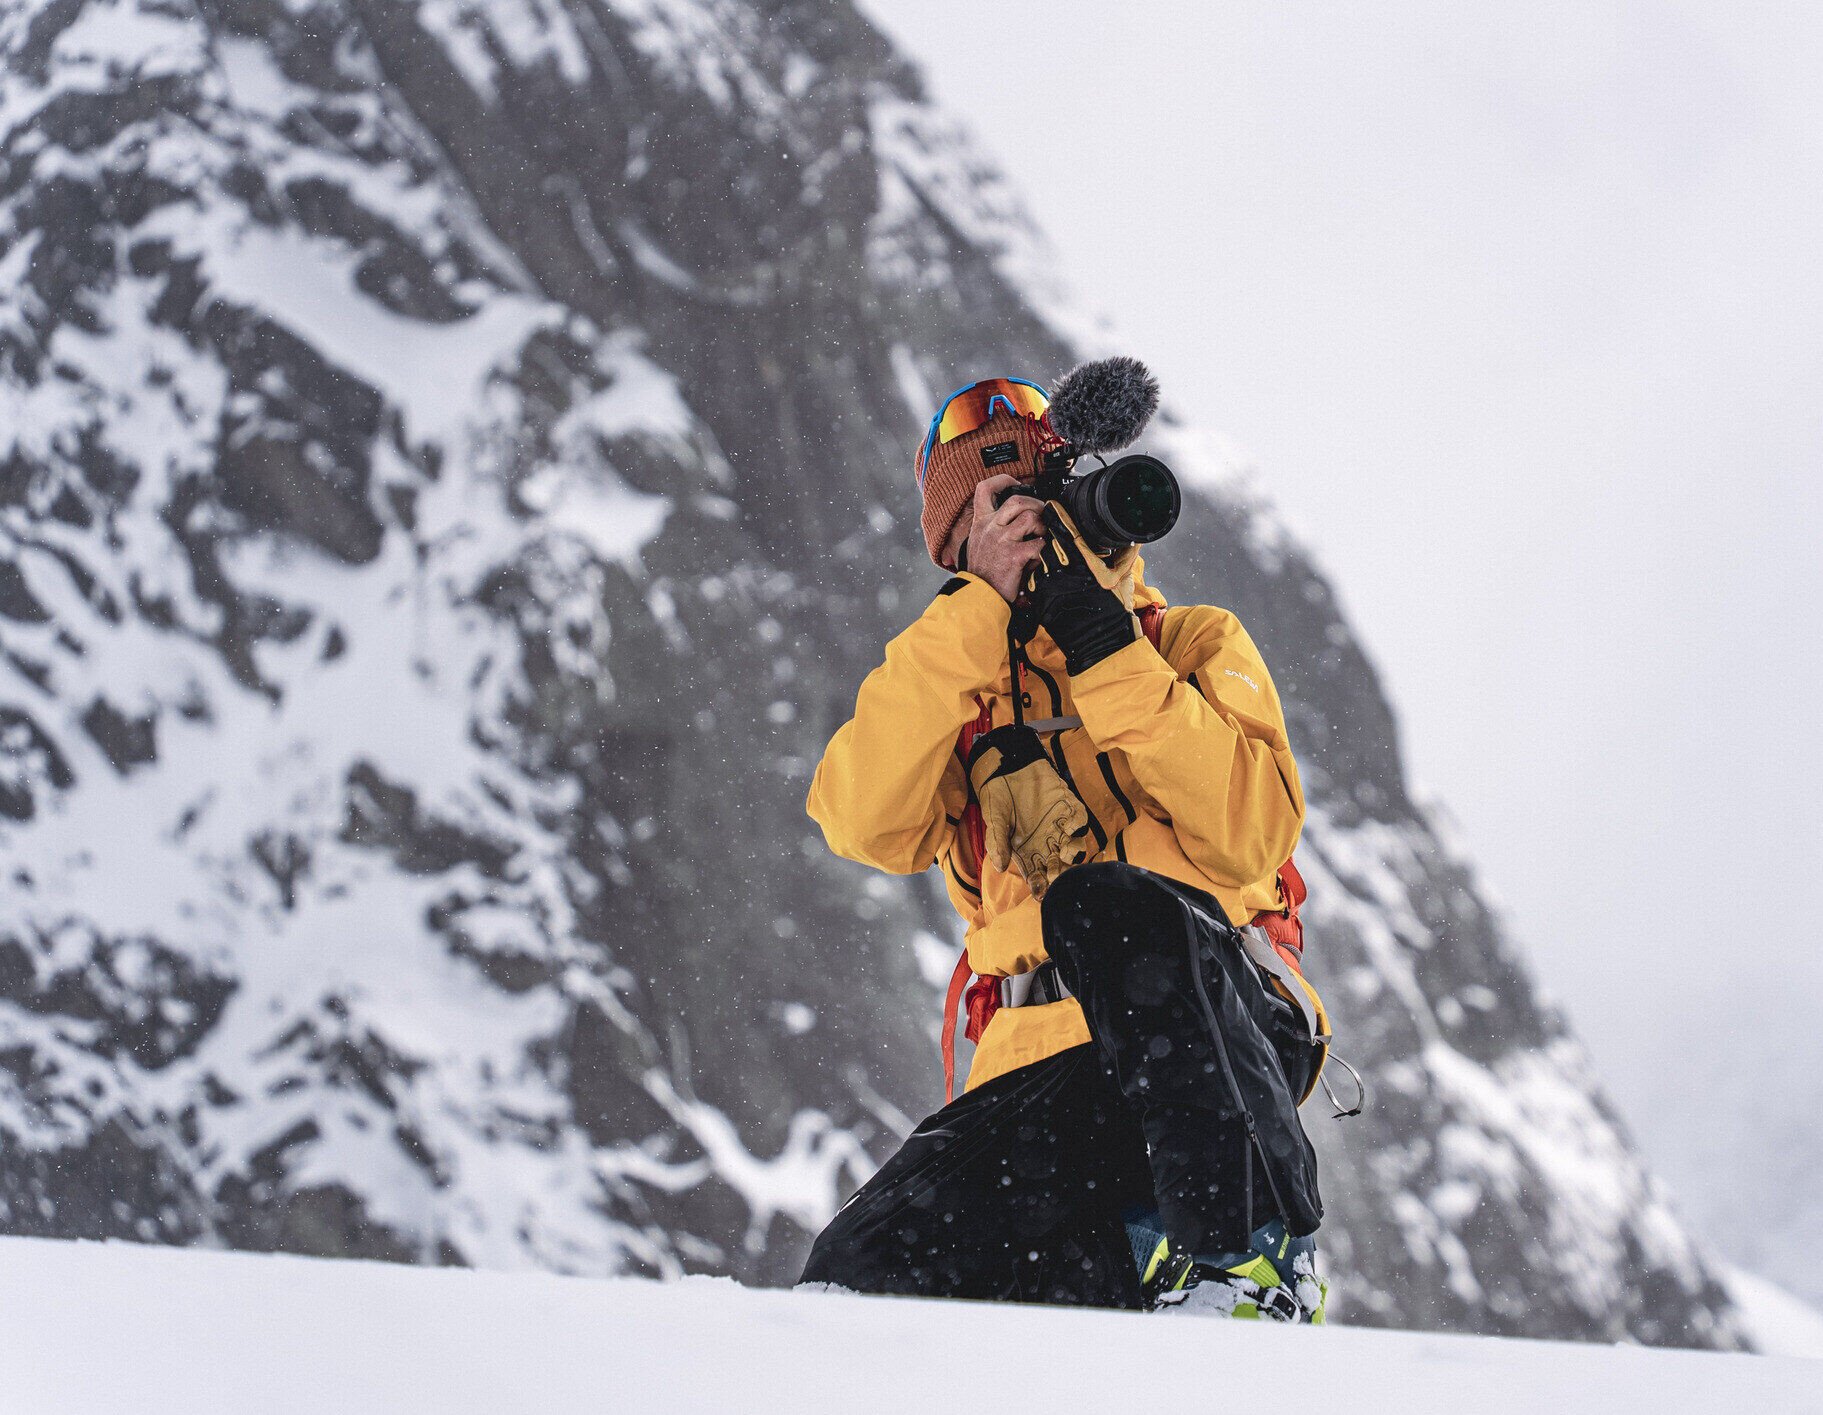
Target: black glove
1073,592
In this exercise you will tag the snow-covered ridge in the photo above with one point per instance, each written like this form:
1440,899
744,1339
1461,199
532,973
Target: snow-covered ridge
226,859
118,1327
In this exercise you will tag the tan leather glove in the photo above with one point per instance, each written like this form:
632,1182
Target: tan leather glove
1113,573
1032,818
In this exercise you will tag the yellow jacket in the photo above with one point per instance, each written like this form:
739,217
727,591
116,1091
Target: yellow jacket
1181,759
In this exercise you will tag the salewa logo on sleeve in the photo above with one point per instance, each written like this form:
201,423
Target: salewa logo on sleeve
1243,677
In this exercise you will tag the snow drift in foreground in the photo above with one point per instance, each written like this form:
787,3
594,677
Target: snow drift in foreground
118,1326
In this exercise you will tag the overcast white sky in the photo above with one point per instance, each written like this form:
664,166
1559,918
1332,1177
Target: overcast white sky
1518,308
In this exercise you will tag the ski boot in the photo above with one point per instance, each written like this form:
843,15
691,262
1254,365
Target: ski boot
1275,1280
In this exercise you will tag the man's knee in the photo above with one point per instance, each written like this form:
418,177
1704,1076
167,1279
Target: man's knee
1105,918
1077,908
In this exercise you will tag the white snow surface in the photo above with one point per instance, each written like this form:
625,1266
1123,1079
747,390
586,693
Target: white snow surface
126,1327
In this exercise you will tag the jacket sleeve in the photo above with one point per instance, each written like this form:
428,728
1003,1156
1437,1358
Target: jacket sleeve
889,789
1211,751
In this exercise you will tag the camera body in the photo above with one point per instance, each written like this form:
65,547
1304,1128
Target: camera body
1133,500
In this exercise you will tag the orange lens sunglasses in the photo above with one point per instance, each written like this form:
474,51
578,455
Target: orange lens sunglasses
974,406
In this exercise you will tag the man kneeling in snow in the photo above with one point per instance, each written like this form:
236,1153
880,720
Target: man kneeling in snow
1129,1135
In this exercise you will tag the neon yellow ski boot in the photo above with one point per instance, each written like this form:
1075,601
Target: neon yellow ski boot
1276,1280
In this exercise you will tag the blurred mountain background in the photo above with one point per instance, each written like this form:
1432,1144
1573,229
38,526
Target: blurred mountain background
456,474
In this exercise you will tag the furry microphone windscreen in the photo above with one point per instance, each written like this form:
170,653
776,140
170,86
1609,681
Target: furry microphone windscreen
1103,405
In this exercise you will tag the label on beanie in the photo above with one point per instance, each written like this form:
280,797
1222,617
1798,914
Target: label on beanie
999,454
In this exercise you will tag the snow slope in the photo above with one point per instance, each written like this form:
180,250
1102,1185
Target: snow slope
100,1327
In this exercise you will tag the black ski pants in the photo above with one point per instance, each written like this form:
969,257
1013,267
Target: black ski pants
1186,1100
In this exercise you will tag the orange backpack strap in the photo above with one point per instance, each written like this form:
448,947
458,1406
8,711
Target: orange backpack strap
1151,622
1292,886
974,829
974,840
958,980
1284,928
983,1001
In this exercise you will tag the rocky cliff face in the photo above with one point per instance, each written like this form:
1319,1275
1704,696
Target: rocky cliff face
454,473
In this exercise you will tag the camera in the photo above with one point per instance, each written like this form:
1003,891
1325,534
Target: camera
1133,500
1100,407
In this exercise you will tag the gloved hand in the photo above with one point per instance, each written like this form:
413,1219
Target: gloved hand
1079,596
1032,818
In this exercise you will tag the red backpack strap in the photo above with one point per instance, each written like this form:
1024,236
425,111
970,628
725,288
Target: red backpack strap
974,829
1284,928
1152,622
983,1002
958,980
1292,887
974,837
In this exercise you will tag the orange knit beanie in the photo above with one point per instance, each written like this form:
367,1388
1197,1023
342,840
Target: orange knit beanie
1006,443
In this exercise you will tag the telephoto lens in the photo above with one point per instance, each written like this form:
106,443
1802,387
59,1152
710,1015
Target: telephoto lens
1132,501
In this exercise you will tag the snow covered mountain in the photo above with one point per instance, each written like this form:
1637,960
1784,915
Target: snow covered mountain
455,474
